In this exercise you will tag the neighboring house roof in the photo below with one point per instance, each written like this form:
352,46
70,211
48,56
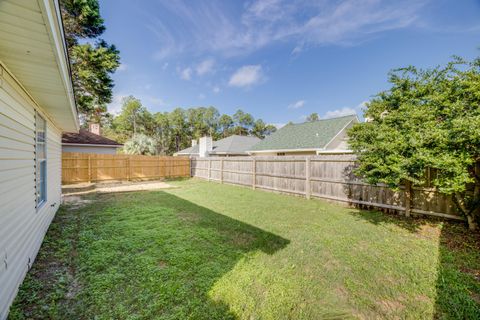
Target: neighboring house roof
231,145
85,137
34,52
314,135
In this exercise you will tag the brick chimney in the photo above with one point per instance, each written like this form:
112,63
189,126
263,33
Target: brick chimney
94,128
205,146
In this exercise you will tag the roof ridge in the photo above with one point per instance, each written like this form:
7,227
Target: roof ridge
319,120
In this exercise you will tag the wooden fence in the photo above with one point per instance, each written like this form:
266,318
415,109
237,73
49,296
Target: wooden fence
86,167
324,176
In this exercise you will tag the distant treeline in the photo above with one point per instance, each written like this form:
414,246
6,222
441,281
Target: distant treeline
169,132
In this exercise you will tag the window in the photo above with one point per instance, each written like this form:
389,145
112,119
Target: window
40,160
280,153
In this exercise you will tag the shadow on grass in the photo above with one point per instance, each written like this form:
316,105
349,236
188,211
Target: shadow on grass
458,279
137,255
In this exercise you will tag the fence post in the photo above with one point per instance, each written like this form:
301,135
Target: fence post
408,198
209,169
127,167
221,170
191,166
89,169
254,173
307,177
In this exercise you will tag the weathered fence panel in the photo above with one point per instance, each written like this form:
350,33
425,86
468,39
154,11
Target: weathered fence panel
323,176
85,167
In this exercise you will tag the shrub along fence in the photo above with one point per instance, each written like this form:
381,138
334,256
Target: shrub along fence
89,167
323,176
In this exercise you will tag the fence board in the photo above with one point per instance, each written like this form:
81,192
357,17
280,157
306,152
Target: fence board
329,177
89,167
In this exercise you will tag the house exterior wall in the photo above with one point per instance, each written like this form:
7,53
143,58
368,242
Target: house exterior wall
89,149
22,226
286,153
340,142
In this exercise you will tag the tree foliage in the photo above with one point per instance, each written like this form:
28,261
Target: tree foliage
175,130
313,117
92,61
427,119
140,144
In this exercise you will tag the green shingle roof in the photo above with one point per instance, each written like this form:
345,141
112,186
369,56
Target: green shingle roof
308,135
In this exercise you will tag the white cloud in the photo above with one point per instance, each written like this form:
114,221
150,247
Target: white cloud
296,105
115,106
216,89
201,96
186,74
297,50
265,22
204,67
279,125
246,76
339,113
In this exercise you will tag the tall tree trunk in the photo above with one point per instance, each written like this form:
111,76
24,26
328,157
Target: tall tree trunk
467,212
475,215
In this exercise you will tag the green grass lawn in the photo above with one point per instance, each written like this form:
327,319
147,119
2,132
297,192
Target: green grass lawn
209,251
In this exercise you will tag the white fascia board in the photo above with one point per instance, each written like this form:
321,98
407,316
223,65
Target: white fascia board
51,11
92,145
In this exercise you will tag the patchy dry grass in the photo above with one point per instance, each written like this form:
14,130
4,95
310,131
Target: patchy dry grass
210,251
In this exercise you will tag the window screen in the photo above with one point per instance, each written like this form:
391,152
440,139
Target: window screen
40,160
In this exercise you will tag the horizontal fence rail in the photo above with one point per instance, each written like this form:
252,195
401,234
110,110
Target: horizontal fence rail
324,176
90,167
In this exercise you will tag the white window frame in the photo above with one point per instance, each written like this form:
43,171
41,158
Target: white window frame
40,164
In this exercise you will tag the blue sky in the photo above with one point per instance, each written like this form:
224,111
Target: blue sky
279,60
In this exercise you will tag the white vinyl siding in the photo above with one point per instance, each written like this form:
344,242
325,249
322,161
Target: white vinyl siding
22,227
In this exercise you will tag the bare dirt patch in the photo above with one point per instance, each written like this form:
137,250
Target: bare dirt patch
133,187
75,202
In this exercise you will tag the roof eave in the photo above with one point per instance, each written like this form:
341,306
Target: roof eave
92,145
51,11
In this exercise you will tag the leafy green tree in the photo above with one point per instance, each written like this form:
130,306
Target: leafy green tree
81,19
134,118
243,122
162,133
261,129
92,61
225,122
140,144
313,117
211,117
91,69
174,131
427,119
179,129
